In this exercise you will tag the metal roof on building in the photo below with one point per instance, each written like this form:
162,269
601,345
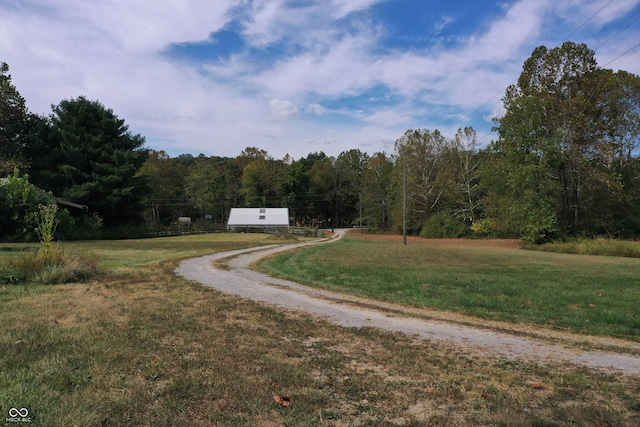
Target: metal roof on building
270,217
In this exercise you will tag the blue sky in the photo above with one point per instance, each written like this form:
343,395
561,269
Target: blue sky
296,76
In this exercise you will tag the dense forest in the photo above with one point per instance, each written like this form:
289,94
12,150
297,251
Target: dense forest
566,163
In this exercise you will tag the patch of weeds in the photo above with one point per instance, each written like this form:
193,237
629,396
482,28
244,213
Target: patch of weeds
283,237
54,267
153,376
10,275
221,264
634,404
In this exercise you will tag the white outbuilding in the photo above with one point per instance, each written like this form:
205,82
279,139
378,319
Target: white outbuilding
258,219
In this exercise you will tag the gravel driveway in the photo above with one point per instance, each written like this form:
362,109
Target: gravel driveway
357,312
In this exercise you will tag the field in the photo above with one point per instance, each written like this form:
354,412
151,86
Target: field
140,346
490,279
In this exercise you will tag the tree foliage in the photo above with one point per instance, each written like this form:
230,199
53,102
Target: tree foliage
377,192
13,123
19,201
98,162
262,180
568,128
565,163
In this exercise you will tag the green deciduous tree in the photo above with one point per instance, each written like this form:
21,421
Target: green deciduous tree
296,187
166,197
465,163
423,151
566,125
208,185
377,192
262,181
348,170
13,118
19,200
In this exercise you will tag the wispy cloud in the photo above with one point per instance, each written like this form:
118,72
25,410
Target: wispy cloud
442,24
300,77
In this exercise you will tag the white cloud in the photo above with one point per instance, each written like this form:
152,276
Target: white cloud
468,74
265,21
577,12
316,109
113,51
342,69
342,8
282,110
442,24
268,21
389,118
506,37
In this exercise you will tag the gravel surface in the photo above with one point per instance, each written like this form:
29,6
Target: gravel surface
357,312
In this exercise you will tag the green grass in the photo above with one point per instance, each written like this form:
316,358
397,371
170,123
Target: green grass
121,254
595,295
135,252
140,346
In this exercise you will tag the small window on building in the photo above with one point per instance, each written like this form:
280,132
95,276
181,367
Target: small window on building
263,210
261,217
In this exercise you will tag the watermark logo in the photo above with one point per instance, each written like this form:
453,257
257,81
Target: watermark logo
18,415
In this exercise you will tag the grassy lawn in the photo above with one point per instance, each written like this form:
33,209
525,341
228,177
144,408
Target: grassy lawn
596,295
139,346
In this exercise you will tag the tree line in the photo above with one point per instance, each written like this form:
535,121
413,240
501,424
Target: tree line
565,163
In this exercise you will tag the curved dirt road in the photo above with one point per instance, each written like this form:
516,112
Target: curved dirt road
346,310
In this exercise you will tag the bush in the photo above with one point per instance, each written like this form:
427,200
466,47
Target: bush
55,268
482,227
67,227
443,225
19,202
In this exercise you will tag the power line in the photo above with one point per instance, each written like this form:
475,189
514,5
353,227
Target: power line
473,112
587,21
621,55
566,38
616,34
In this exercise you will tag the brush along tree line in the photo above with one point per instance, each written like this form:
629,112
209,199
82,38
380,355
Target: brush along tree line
566,162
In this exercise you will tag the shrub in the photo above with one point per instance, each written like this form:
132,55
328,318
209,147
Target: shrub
19,202
482,227
81,268
56,268
541,225
67,227
443,225
539,233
